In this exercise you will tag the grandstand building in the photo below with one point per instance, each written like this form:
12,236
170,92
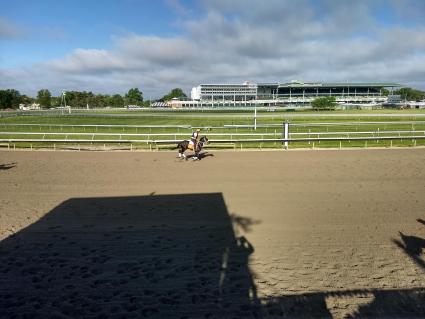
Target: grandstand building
294,93
302,93
225,93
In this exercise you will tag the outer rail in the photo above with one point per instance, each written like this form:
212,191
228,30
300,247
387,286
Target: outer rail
251,140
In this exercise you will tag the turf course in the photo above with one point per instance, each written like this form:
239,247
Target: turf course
140,126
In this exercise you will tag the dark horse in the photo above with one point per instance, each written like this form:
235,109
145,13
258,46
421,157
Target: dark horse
185,145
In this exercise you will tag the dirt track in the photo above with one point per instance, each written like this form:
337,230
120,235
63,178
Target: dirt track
237,234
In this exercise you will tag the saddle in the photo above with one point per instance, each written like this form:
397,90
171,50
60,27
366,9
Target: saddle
190,146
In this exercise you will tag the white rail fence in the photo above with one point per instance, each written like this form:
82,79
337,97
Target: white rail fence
159,140
153,138
155,144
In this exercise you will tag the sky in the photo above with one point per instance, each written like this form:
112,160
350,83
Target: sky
110,46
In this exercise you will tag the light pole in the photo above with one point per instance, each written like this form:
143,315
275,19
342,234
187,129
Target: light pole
63,99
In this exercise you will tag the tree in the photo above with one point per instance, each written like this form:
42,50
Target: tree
134,97
410,94
99,100
174,93
79,99
44,98
116,100
324,103
10,99
385,92
56,101
147,103
27,100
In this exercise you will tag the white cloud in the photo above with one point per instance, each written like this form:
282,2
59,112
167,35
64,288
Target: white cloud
86,62
243,40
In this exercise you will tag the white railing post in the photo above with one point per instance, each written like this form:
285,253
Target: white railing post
255,118
285,134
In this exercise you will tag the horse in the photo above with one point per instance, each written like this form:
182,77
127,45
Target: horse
188,145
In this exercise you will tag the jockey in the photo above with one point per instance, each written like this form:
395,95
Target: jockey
195,138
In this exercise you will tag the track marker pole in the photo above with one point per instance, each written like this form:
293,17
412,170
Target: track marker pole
255,118
285,134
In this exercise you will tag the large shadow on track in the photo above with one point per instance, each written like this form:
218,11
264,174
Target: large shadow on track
165,256
159,256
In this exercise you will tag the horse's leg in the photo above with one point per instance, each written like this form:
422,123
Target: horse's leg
181,151
179,148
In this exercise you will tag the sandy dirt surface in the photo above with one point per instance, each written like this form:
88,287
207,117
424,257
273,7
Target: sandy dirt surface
329,234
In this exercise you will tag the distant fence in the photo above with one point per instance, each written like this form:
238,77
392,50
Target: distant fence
225,126
95,125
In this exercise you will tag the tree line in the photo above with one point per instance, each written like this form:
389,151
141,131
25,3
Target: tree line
408,94
11,99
